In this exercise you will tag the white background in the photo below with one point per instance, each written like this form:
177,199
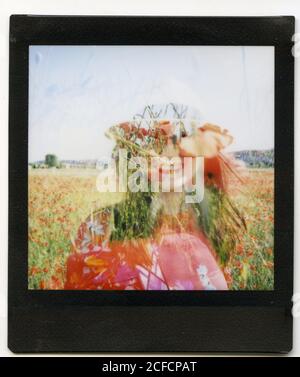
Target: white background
127,7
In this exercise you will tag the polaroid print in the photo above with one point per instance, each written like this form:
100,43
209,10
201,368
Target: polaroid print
151,182
151,168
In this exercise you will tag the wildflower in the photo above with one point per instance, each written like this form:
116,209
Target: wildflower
239,248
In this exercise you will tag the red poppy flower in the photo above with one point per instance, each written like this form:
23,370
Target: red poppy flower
213,172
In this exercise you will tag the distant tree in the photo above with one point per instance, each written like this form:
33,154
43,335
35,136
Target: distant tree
51,160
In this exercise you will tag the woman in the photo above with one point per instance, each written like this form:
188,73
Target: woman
156,241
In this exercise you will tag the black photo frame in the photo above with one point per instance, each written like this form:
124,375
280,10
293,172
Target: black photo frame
132,321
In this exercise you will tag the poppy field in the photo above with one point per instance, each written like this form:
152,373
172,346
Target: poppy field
60,199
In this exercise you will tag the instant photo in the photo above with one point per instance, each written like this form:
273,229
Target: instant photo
151,168
151,176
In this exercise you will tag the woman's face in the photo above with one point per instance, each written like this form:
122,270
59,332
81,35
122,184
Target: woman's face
171,170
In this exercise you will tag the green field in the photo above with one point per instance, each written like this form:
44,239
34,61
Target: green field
60,199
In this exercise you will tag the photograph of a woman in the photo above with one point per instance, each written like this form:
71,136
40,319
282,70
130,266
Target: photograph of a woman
151,168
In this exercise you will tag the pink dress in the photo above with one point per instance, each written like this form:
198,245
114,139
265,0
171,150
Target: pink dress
176,260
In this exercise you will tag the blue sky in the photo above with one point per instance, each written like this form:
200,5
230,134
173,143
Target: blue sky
77,92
